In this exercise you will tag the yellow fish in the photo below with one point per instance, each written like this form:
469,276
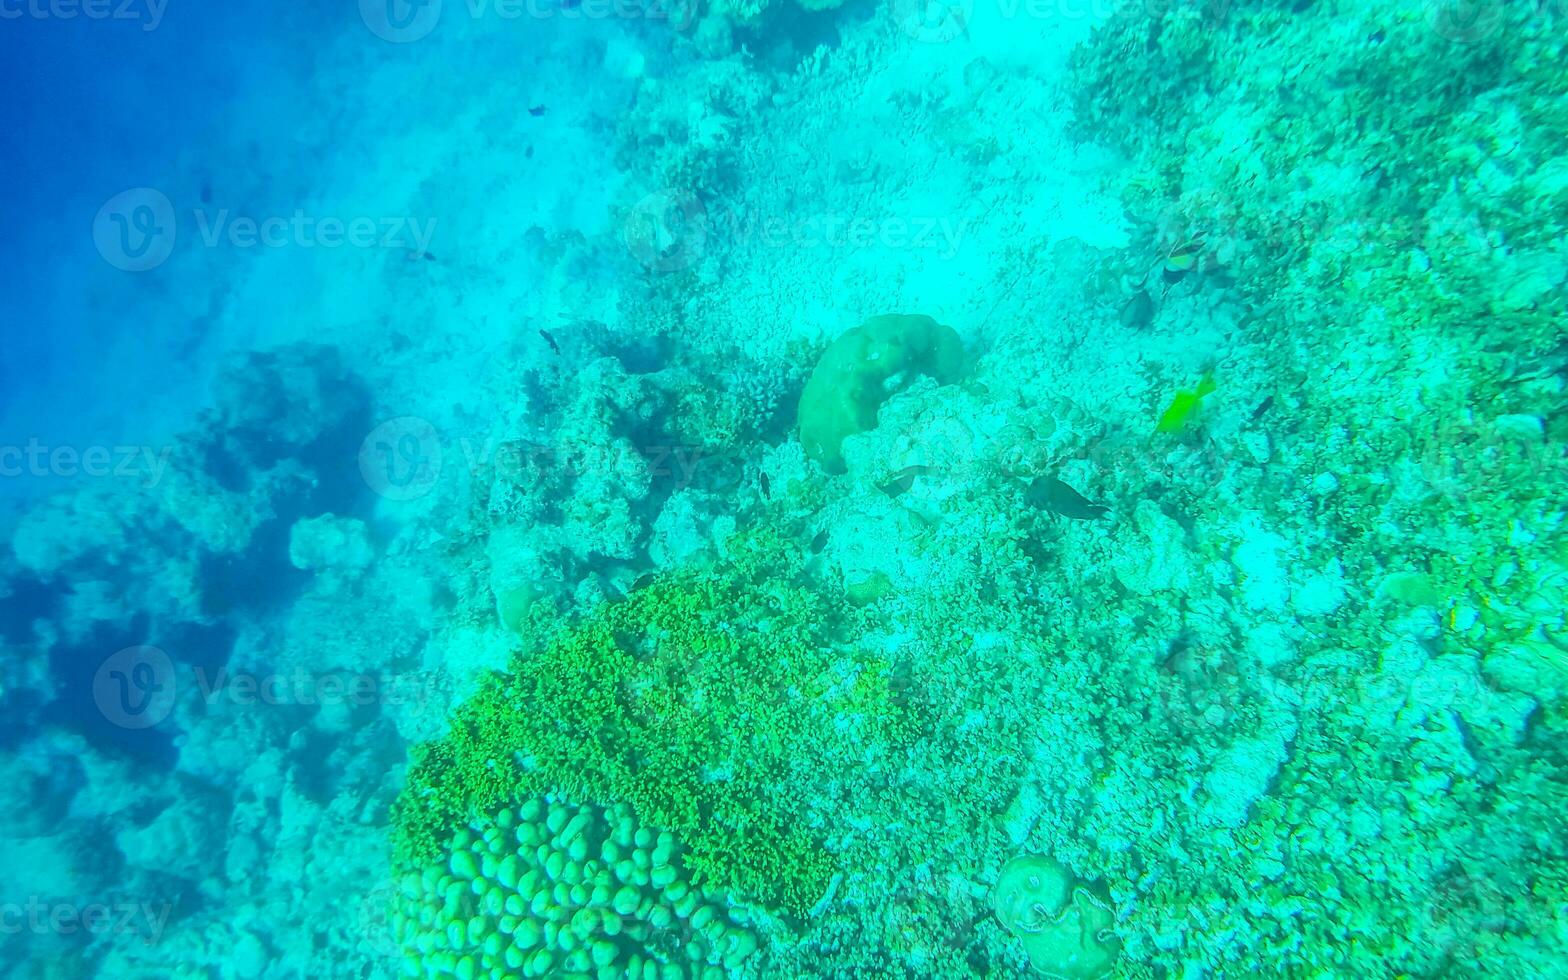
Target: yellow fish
1184,405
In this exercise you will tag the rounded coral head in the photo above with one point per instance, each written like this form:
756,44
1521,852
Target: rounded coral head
1064,928
1031,891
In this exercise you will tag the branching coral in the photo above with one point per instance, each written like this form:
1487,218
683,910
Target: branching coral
706,701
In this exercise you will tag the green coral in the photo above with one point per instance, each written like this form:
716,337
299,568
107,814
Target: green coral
1064,927
552,889
710,701
854,375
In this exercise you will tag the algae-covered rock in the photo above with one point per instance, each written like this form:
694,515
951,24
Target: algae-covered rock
861,369
1065,928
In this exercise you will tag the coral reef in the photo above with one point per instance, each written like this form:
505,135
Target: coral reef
708,701
1064,927
851,379
551,889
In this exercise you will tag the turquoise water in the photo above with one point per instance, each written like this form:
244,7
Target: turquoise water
784,488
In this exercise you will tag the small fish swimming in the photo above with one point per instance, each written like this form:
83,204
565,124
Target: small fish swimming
1138,311
1184,405
767,487
901,481
1181,260
537,110
1059,498
550,340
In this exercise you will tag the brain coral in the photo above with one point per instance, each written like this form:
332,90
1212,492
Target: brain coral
853,377
552,889
1064,927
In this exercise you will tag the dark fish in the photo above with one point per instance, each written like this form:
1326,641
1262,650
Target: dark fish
529,153
206,193
537,110
642,581
819,542
767,488
550,340
1138,311
1263,407
901,481
1059,498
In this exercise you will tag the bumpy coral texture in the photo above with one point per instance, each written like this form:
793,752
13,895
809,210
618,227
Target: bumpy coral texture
851,380
552,889
706,701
